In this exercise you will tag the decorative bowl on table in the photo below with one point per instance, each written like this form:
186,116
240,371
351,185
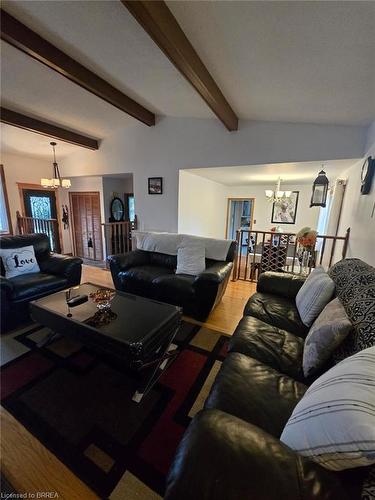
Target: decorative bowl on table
103,298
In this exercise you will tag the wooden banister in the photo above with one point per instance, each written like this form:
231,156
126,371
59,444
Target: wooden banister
34,225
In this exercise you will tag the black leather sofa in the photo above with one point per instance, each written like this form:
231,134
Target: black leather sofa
231,450
57,272
152,275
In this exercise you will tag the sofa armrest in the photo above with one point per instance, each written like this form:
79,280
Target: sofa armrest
215,274
63,265
222,457
6,287
122,262
284,284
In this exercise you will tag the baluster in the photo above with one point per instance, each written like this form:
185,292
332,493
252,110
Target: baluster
322,249
252,276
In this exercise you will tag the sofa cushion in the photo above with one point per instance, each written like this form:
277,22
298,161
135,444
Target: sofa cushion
31,286
276,348
191,260
174,289
314,295
327,332
138,279
277,311
19,261
334,423
251,390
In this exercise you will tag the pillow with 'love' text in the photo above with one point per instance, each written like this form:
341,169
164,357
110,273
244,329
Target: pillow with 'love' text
19,261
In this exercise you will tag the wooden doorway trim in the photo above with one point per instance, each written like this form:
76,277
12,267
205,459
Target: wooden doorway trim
100,236
228,212
7,209
37,187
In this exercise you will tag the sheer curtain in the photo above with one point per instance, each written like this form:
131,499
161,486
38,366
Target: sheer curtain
329,218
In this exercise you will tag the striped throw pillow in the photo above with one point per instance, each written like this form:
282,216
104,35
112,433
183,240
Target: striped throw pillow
334,422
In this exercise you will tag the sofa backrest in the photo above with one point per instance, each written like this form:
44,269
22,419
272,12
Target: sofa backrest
39,241
167,244
355,287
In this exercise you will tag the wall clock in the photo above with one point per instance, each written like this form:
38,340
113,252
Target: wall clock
367,175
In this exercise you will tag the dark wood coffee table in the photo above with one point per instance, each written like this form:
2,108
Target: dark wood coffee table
137,332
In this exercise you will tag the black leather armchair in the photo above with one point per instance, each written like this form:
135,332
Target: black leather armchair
57,272
152,275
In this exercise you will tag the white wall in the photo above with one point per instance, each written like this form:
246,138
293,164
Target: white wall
201,208
359,210
180,143
19,168
305,216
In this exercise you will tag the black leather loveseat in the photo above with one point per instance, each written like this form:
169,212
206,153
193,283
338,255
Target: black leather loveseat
231,450
57,272
152,275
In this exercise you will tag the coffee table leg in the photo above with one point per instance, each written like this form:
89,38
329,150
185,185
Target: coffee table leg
156,373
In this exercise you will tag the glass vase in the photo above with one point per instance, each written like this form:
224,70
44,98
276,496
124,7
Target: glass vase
305,262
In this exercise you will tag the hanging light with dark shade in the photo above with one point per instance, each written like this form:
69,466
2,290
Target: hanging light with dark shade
319,190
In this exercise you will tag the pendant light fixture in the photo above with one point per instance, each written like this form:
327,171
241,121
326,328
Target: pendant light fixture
56,180
319,190
277,195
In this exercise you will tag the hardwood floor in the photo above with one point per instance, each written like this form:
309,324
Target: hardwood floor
30,467
224,317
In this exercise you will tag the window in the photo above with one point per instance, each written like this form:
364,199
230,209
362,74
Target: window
5,222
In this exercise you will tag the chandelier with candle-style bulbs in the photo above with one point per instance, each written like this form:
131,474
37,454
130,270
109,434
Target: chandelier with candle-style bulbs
56,181
277,195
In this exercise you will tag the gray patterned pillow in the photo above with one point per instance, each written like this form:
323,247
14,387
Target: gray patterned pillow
355,286
327,332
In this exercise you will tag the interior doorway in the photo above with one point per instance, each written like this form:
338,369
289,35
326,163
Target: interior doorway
239,216
86,225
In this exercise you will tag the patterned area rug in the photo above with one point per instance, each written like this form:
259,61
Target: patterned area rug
79,406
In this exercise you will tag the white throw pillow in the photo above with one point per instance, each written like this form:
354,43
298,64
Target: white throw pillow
314,295
17,261
334,422
191,260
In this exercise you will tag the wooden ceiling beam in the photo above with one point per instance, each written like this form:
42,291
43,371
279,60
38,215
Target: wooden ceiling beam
158,21
22,37
40,127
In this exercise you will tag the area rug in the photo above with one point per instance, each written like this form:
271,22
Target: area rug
79,406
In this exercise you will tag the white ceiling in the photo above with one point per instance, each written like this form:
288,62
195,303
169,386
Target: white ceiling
278,61
290,173
288,61
18,141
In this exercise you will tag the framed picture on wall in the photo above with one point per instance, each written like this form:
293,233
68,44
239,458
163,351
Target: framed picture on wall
285,211
155,185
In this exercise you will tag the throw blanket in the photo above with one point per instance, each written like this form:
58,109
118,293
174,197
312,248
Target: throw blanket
169,243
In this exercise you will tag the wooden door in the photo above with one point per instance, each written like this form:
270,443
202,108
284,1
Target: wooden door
87,229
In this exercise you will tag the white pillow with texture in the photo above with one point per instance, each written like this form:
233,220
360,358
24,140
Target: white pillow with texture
191,260
334,422
314,295
19,261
